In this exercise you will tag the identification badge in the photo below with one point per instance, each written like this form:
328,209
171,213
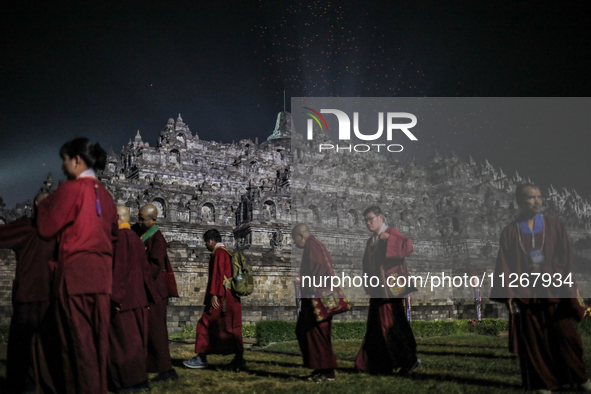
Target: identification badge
537,257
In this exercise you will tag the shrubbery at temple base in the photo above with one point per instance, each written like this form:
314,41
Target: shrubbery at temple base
274,331
188,333
267,332
279,331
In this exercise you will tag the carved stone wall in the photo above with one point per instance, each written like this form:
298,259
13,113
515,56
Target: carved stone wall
452,209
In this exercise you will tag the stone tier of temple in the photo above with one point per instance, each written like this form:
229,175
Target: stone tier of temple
452,209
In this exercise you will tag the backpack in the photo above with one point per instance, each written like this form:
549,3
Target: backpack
241,282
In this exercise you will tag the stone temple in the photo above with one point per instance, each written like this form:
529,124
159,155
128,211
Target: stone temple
452,209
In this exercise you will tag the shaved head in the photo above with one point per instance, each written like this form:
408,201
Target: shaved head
300,229
150,210
147,216
300,234
123,213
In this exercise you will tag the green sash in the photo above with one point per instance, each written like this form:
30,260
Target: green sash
149,233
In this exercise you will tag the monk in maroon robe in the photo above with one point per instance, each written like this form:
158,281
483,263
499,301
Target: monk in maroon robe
389,342
128,333
542,328
314,338
30,299
83,217
219,331
163,286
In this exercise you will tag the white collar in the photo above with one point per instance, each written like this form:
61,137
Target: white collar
376,237
89,173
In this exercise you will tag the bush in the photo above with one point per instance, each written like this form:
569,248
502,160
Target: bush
488,327
189,333
348,330
463,326
436,328
274,331
249,330
279,331
186,333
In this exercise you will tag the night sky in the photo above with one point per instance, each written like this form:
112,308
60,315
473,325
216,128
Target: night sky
106,71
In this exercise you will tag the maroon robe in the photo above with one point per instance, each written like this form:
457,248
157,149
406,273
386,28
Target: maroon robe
386,258
86,229
543,333
158,345
219,332
30,300
314,338
128,332
389,342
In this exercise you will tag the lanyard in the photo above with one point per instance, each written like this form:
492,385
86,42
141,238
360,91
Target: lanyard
533,236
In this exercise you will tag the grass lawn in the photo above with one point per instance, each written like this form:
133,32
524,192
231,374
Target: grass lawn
453,364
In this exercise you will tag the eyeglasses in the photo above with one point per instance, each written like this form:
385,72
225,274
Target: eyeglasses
369,220
141,219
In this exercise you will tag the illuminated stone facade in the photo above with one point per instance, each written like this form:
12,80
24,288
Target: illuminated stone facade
452,209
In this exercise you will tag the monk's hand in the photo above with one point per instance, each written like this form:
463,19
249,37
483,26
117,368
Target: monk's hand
384,235
215,304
